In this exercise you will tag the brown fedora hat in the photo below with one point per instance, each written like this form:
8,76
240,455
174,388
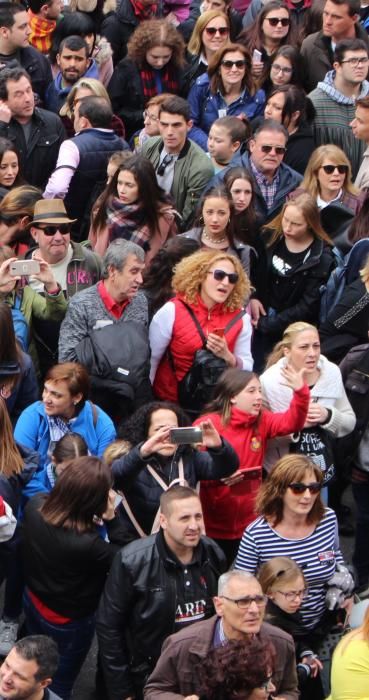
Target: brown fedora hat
50,211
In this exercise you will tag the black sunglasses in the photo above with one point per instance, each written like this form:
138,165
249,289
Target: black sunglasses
219,275
212,31
329,169
279,150
299,488
274,21
51,230
229,64
164,164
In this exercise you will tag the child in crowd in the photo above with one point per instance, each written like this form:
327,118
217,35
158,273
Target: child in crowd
226,136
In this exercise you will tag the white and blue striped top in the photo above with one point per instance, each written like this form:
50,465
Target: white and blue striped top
316,554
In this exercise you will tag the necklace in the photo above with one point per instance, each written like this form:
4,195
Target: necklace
216,241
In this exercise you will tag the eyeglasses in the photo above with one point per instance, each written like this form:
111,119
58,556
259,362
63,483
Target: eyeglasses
152,117
164,164
64,229
280,69
228,65
244,603
219,275
299,488
274,21
329,169
354,62
292,595
212,31
279,150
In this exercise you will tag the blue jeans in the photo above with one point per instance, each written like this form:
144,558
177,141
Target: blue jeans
73,639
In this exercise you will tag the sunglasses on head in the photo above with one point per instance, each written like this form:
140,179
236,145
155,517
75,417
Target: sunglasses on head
212,31
279,150
219,275
299,488
329,169
228,64
274,21
51,230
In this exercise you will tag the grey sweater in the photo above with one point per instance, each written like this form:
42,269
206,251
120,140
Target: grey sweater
86,310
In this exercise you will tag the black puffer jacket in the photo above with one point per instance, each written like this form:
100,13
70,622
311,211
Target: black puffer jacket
143,491
118,26
37,157
138,606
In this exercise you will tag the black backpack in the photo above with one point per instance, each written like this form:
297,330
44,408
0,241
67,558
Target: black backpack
196,388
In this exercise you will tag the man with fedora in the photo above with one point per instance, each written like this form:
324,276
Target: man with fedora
75,268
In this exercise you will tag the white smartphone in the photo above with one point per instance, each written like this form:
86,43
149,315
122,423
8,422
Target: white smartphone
25,268
256,56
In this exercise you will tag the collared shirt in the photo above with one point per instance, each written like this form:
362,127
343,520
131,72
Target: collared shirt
322,204
267,189
115,308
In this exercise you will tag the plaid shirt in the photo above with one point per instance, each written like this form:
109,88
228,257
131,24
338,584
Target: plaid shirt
267,189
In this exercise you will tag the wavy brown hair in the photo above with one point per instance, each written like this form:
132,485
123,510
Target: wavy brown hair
289,469
191,272
215,78
195,44
156,32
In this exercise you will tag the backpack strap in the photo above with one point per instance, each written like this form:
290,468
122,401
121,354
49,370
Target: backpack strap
94,413
196,321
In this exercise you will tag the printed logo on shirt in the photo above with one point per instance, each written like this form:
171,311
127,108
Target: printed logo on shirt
255,444
280,265
190,612
326,556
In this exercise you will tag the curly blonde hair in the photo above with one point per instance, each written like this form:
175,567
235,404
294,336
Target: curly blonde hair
289,469
191,272
336,156
152,33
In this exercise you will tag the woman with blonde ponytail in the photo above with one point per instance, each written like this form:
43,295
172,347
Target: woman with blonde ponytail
350,665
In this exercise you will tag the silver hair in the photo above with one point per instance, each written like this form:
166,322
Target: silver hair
224,579
117,254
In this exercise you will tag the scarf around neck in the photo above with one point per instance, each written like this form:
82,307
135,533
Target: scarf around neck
143,11
168,80
41,32
127,221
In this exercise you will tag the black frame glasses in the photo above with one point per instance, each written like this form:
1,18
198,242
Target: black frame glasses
160,170
228,64
247,600
298,488
274,21
219,276
52,229
292,595
329,169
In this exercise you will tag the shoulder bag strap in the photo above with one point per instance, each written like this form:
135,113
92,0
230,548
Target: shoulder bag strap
196,321
234,320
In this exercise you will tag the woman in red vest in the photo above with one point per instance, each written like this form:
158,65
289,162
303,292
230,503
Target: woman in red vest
206,312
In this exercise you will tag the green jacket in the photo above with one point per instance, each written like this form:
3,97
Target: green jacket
192,172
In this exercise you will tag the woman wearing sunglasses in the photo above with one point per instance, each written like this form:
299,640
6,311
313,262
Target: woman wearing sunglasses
328,179
283,581
299,260
213,287
293,522
211,32
270,30
227,89
330,414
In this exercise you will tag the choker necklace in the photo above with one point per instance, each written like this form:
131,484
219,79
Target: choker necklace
217,241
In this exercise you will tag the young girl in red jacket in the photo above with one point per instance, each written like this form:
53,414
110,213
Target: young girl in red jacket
237,413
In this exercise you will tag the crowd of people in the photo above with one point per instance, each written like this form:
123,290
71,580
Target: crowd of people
184,348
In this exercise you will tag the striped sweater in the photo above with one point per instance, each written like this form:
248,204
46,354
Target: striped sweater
317,554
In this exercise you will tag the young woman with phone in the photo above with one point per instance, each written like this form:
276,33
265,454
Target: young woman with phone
149,463
237,412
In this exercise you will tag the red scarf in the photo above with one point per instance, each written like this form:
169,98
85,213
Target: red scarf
168,80
143,11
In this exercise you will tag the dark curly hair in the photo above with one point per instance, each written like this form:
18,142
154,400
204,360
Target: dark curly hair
156,32
136,428
233,671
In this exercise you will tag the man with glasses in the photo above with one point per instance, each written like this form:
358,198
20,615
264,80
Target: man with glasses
334,99
75,268
157,585
340,21
273,180
240,607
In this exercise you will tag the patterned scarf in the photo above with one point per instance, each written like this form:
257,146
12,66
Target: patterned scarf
143,11
168,80
41,32
127,221
57,429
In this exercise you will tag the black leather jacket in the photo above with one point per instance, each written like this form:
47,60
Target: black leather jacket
137,609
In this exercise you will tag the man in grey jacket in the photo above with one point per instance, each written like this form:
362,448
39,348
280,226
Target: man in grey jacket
240,606
28,670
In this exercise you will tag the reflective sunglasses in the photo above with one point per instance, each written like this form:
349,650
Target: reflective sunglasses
248,600
229,64
329,169
274,21
51,230
219,275
279,150
299,488
212,31
280,69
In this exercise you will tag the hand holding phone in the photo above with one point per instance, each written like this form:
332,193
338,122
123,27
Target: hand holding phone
24,268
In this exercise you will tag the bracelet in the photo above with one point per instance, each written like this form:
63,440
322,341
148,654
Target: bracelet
54,292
